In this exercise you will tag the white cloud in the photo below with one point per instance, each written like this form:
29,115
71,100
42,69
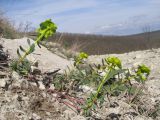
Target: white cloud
102,16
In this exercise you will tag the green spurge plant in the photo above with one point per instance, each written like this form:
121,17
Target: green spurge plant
112,68
80,59
114,79
46,29
74,77
109,78
142,73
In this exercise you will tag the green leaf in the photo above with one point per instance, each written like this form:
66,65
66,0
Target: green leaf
22,49
18,53
32,48
29,42
94,106
103,62
101,100
38,44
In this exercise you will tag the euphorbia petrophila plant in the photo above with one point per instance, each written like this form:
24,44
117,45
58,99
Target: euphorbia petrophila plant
80,59
22,65
47,29
112,68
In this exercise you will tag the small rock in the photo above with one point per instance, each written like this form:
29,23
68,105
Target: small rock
135,65
44,94
85,88
33,84
114,104
142,118
48,113
68,114
3,55
36,117
20,83
48,119
35,70
52,87
24,84
41,85
2,83
78,117
114,116
138,56
35,64
15,76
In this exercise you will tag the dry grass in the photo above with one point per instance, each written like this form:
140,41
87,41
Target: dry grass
7,29
59,47
99,44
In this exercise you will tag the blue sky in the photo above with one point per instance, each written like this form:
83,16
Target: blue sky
110,17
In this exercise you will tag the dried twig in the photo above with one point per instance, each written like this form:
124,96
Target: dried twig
73,102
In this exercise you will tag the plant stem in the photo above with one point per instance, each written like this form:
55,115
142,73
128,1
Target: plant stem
99,89
35,43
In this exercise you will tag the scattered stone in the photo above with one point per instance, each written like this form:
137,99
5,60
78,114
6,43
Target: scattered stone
35,70
86,89
114,116
41,85
48,113
114,104
143,118
78,117
2,83
138,56
52,87
15,76
3,55
36,117
68,114
24,84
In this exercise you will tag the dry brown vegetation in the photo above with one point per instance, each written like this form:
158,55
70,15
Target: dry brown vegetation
7,29
99,44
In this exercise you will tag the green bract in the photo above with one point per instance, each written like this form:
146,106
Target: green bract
80,59
143,69
113,62
47,28
83,55
142,72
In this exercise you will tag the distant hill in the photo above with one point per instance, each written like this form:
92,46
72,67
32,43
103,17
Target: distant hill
153,33
101,44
